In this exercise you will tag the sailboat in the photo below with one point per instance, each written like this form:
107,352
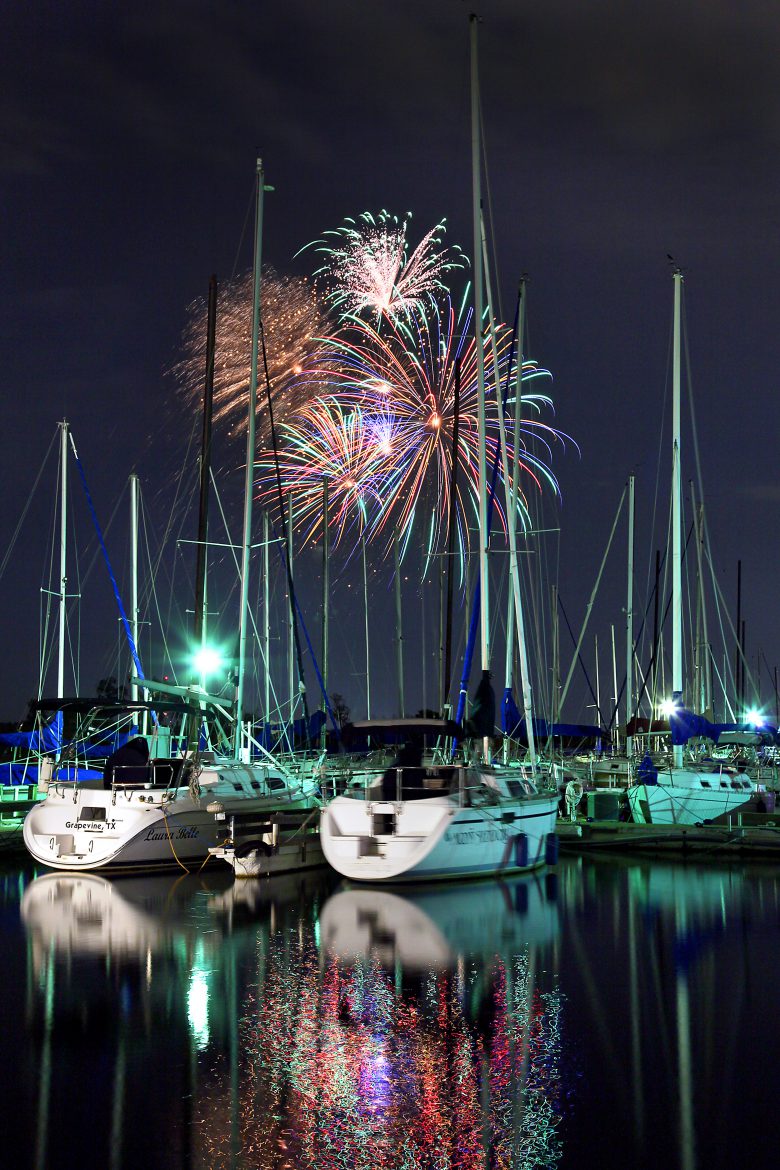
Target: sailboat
466,818
165,810
676,794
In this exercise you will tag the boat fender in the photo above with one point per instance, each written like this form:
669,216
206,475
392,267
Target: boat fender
521,851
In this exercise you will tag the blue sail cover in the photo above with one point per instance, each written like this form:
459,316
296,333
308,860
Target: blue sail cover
295,735
513,725
685,725
46,740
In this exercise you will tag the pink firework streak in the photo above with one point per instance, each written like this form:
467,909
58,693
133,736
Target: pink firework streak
368,265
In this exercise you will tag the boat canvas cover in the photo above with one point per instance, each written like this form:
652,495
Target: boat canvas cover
513,725
299,733
368,734
685,725
44,740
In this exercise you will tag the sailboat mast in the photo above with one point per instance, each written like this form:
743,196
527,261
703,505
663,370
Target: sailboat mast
365,610
291,617
267,615
205,472
514,572
399,636
250,463
325,601
677,669
476,198
510,610
63,555
630,619
134,569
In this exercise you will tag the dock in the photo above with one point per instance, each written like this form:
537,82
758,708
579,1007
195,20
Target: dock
743,836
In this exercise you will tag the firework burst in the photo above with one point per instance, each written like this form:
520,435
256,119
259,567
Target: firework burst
293,318
383,439
368,266
329,441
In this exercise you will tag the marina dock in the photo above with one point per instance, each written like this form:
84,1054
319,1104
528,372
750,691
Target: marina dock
742,836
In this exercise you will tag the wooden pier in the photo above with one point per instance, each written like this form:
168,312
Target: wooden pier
742,836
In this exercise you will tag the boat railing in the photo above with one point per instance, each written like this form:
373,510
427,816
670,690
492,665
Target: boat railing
395,783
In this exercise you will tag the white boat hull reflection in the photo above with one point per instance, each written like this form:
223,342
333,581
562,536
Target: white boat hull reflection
431,930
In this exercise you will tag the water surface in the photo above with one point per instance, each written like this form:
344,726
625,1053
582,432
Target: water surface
606,1013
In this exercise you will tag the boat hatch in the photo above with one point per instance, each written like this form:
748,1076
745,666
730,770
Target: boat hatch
92,812
382,824
519,788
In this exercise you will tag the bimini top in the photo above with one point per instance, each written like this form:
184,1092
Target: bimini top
397,731
115,707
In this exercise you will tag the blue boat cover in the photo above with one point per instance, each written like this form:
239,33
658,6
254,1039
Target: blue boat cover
290,736
47,739
685,725
513,725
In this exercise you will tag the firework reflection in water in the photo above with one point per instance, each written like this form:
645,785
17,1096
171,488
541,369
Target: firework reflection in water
341,1068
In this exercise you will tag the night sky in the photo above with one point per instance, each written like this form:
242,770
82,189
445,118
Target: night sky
615,135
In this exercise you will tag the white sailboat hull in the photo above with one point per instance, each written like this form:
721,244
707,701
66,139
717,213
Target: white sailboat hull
144,827
687,798
436,838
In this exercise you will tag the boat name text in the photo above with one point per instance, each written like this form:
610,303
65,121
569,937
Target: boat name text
180,834
475,836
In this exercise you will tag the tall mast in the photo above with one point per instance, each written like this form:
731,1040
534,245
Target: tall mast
510,609
250,462
63,555
291,616
325,601
205,472
399,635
677,670
365,605
615,688
134,569
630,618
451,540
476,199
702,689
514,574
267,615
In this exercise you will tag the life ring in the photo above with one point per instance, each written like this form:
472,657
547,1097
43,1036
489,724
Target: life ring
573,795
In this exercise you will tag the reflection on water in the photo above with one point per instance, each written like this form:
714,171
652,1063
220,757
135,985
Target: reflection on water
588,1017
409,1052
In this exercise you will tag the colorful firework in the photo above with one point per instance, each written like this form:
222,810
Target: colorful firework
384,437
368,265
293,318
328,441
